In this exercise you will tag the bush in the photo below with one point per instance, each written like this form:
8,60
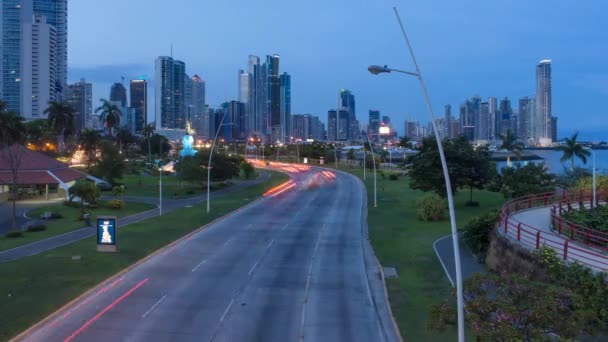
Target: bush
14,234
55,216
38,227
476,234
595,218
115,204
430,207
393,177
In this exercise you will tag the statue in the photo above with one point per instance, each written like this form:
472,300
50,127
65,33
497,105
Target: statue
187,150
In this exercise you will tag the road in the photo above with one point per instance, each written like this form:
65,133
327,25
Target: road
82,233
290,267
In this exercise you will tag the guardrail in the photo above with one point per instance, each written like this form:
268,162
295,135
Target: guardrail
534,238
578,232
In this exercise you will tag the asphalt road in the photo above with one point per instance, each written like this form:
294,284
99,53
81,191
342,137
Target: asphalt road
288,268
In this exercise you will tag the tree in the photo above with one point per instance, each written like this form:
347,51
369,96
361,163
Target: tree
512,306
194,169
37,133
405,142
510,143
12,133
147,132
109,115
110,165
89,140
572,149
477,169
425,168
350,156
85,190
123,137
522,181
154,145
61,120
247,168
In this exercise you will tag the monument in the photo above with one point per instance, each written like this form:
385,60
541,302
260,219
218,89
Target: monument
187,141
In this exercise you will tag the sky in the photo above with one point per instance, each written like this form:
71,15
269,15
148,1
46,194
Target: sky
463,47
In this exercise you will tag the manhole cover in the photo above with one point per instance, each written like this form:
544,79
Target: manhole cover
390,272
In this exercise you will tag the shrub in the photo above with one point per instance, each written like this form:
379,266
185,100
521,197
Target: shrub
38,227
476,234
14,234
115,204
430,207
393,177
190,192
595,218
55,216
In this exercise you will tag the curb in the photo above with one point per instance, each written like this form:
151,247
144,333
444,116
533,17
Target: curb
111,278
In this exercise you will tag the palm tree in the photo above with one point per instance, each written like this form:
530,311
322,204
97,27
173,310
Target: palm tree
510,143
89,139
109,114
405,142
148,131
123,136
571,149
60,118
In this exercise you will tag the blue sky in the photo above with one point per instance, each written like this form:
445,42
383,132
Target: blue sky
464,47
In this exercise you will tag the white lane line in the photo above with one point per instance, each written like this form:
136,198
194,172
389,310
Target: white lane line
226,311
199,265
270,245
441,261
308,277
228,241
154,306
253,267
285,226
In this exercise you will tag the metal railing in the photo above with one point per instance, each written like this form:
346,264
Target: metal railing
568,247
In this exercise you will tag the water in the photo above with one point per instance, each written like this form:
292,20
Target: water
551,161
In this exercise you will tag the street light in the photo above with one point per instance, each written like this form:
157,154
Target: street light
375,69
594,172
374,160
364,154
209,165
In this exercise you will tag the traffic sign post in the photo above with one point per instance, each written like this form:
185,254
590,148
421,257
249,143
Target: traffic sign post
106,234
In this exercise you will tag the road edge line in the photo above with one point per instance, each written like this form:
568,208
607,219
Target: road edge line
441,260
59,311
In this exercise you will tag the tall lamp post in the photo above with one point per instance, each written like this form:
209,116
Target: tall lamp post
209,164
376,69
364,154
594,181
374,160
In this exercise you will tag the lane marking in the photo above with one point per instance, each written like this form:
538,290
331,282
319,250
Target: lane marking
253,267
285,226
199,265
308,277
153,306
228,241
226,311
270,245
441,260
106,309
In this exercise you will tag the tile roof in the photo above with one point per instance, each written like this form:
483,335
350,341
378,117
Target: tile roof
33,168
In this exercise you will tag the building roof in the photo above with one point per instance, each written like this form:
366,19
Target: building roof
35,168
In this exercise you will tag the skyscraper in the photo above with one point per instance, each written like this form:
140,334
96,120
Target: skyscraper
494,119
273,97
33,48
447,117
118,93
346,101
332,125
169,93
506,111
236,112
344,125
80,97
374,122
245,96
139,103
285,107
199,119
484,121
256,101
526,118
543,121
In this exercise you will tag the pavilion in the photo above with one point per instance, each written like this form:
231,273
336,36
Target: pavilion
38,175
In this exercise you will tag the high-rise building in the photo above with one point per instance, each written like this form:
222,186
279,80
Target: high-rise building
543,121
139,103
344,125
484,122
447,117
273,97
245,90
237,115
285,107
170,110
300,126
526,119
506,111
256,102
118,93
374,123
346,101
200,121
332,125
553,128
33,51
494,118
80,97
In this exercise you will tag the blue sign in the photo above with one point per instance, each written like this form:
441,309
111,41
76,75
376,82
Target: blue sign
106,231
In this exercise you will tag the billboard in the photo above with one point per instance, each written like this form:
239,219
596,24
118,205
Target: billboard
106,233
384,130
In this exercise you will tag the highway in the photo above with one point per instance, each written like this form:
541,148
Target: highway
290,267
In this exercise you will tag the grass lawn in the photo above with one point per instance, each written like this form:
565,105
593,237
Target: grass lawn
400,240
41,284
69,221
147,186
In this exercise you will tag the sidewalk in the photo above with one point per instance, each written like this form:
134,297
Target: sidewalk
76,235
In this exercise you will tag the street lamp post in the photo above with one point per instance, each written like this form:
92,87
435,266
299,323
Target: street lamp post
374,160
160,179
594,180
209,164
375,69
364,154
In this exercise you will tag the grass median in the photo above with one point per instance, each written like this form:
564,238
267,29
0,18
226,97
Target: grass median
33,287
400,240
68,222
